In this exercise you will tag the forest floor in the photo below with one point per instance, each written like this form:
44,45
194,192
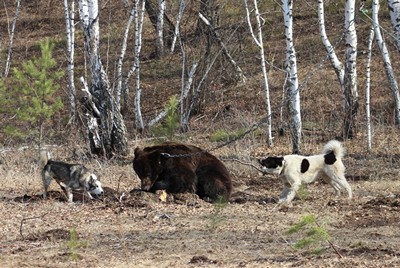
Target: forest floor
128,228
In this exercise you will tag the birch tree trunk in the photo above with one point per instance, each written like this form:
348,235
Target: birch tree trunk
111,130
11,40
368,89
394,10
152,11
177,24
139,16
386,62
259,42
292,88
69,13
160,28
350,76
186,86
122,56
336,64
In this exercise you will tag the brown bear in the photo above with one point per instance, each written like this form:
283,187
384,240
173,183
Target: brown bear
179,168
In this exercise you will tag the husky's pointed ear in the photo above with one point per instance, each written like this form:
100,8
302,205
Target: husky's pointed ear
92,178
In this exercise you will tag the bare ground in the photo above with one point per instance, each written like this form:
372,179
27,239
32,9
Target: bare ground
128,228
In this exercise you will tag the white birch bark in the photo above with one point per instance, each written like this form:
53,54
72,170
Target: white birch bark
394,11
177,24
259,42
293,94
386,61
122,56
69,13
350,77
112,129
186,86
368,90
160,28
139,16
11,40
336,64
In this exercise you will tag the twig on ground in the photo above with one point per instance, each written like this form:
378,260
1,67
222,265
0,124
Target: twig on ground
244,163
26,219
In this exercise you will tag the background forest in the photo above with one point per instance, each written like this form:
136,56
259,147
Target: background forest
220,100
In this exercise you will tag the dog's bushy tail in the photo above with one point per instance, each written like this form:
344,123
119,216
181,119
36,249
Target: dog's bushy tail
44,157
334,146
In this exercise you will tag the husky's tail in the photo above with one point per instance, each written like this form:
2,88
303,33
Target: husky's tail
334,146
44,158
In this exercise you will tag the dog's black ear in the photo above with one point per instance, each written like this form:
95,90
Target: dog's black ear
279,161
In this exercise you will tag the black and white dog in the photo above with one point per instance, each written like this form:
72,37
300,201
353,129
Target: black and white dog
296,169
69,176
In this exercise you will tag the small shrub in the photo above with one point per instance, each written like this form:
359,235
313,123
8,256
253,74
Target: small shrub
216,218
74,244
302,192
170,125
313,234
29,94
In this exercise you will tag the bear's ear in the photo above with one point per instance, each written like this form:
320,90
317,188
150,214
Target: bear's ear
137,151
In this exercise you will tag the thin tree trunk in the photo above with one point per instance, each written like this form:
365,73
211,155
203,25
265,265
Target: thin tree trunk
122,56
368,89
186,85
160,28
11,40
69,14
336,64
139,125
151,8
293,94
259,42
350,77
178,23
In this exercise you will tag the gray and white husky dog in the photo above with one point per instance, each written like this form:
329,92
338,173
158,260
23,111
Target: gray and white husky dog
69,176
297,169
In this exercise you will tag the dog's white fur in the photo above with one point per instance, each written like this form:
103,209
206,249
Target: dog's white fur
292,176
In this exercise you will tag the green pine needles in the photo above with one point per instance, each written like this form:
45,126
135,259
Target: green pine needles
28,96
170,125
74,244
216,218
312,234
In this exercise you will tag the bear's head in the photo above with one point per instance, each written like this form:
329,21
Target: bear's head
147,165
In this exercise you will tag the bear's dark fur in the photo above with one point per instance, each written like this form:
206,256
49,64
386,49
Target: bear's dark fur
179,168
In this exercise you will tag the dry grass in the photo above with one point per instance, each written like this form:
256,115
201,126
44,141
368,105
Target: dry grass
188,232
